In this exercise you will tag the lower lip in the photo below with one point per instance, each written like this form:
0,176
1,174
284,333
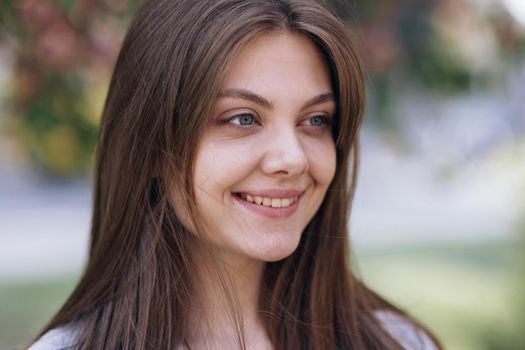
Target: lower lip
269,211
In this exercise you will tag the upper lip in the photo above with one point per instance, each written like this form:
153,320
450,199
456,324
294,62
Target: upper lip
274,193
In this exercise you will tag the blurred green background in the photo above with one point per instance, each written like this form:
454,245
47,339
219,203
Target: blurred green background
437,224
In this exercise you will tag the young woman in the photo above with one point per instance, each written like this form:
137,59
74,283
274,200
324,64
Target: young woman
225,170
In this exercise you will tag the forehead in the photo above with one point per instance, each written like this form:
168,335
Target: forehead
279,62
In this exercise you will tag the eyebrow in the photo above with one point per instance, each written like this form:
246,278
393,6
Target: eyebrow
258,99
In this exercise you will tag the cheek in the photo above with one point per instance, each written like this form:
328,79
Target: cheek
221,164
322,159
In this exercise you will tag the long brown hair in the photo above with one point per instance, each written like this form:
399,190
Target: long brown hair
140,273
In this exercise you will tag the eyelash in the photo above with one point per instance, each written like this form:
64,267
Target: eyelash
325,121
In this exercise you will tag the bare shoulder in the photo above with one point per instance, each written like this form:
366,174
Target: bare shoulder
410,336
61,338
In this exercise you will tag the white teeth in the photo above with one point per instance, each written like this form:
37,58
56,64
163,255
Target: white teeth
270,202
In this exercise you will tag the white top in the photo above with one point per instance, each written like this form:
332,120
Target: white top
410,337
55,339
404,332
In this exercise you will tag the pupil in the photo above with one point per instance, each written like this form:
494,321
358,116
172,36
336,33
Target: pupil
316,121
246,119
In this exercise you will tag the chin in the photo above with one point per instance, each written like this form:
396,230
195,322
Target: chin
276,251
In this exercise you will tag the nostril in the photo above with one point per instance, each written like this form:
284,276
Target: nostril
289,161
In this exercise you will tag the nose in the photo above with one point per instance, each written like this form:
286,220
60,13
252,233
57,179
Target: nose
284,154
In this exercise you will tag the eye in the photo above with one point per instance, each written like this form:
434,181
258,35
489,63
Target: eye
244,119
318,121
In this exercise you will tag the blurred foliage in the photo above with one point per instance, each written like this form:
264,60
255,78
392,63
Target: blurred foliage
64,51
441,46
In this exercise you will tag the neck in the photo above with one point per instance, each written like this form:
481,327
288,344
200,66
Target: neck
229,294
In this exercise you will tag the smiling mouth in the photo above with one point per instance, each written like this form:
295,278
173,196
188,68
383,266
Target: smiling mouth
267,201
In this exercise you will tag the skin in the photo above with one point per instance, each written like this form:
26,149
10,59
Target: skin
279,144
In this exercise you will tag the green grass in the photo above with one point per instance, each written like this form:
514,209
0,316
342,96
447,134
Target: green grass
26,307
461,291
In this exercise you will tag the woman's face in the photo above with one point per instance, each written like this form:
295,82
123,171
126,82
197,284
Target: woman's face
267,156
